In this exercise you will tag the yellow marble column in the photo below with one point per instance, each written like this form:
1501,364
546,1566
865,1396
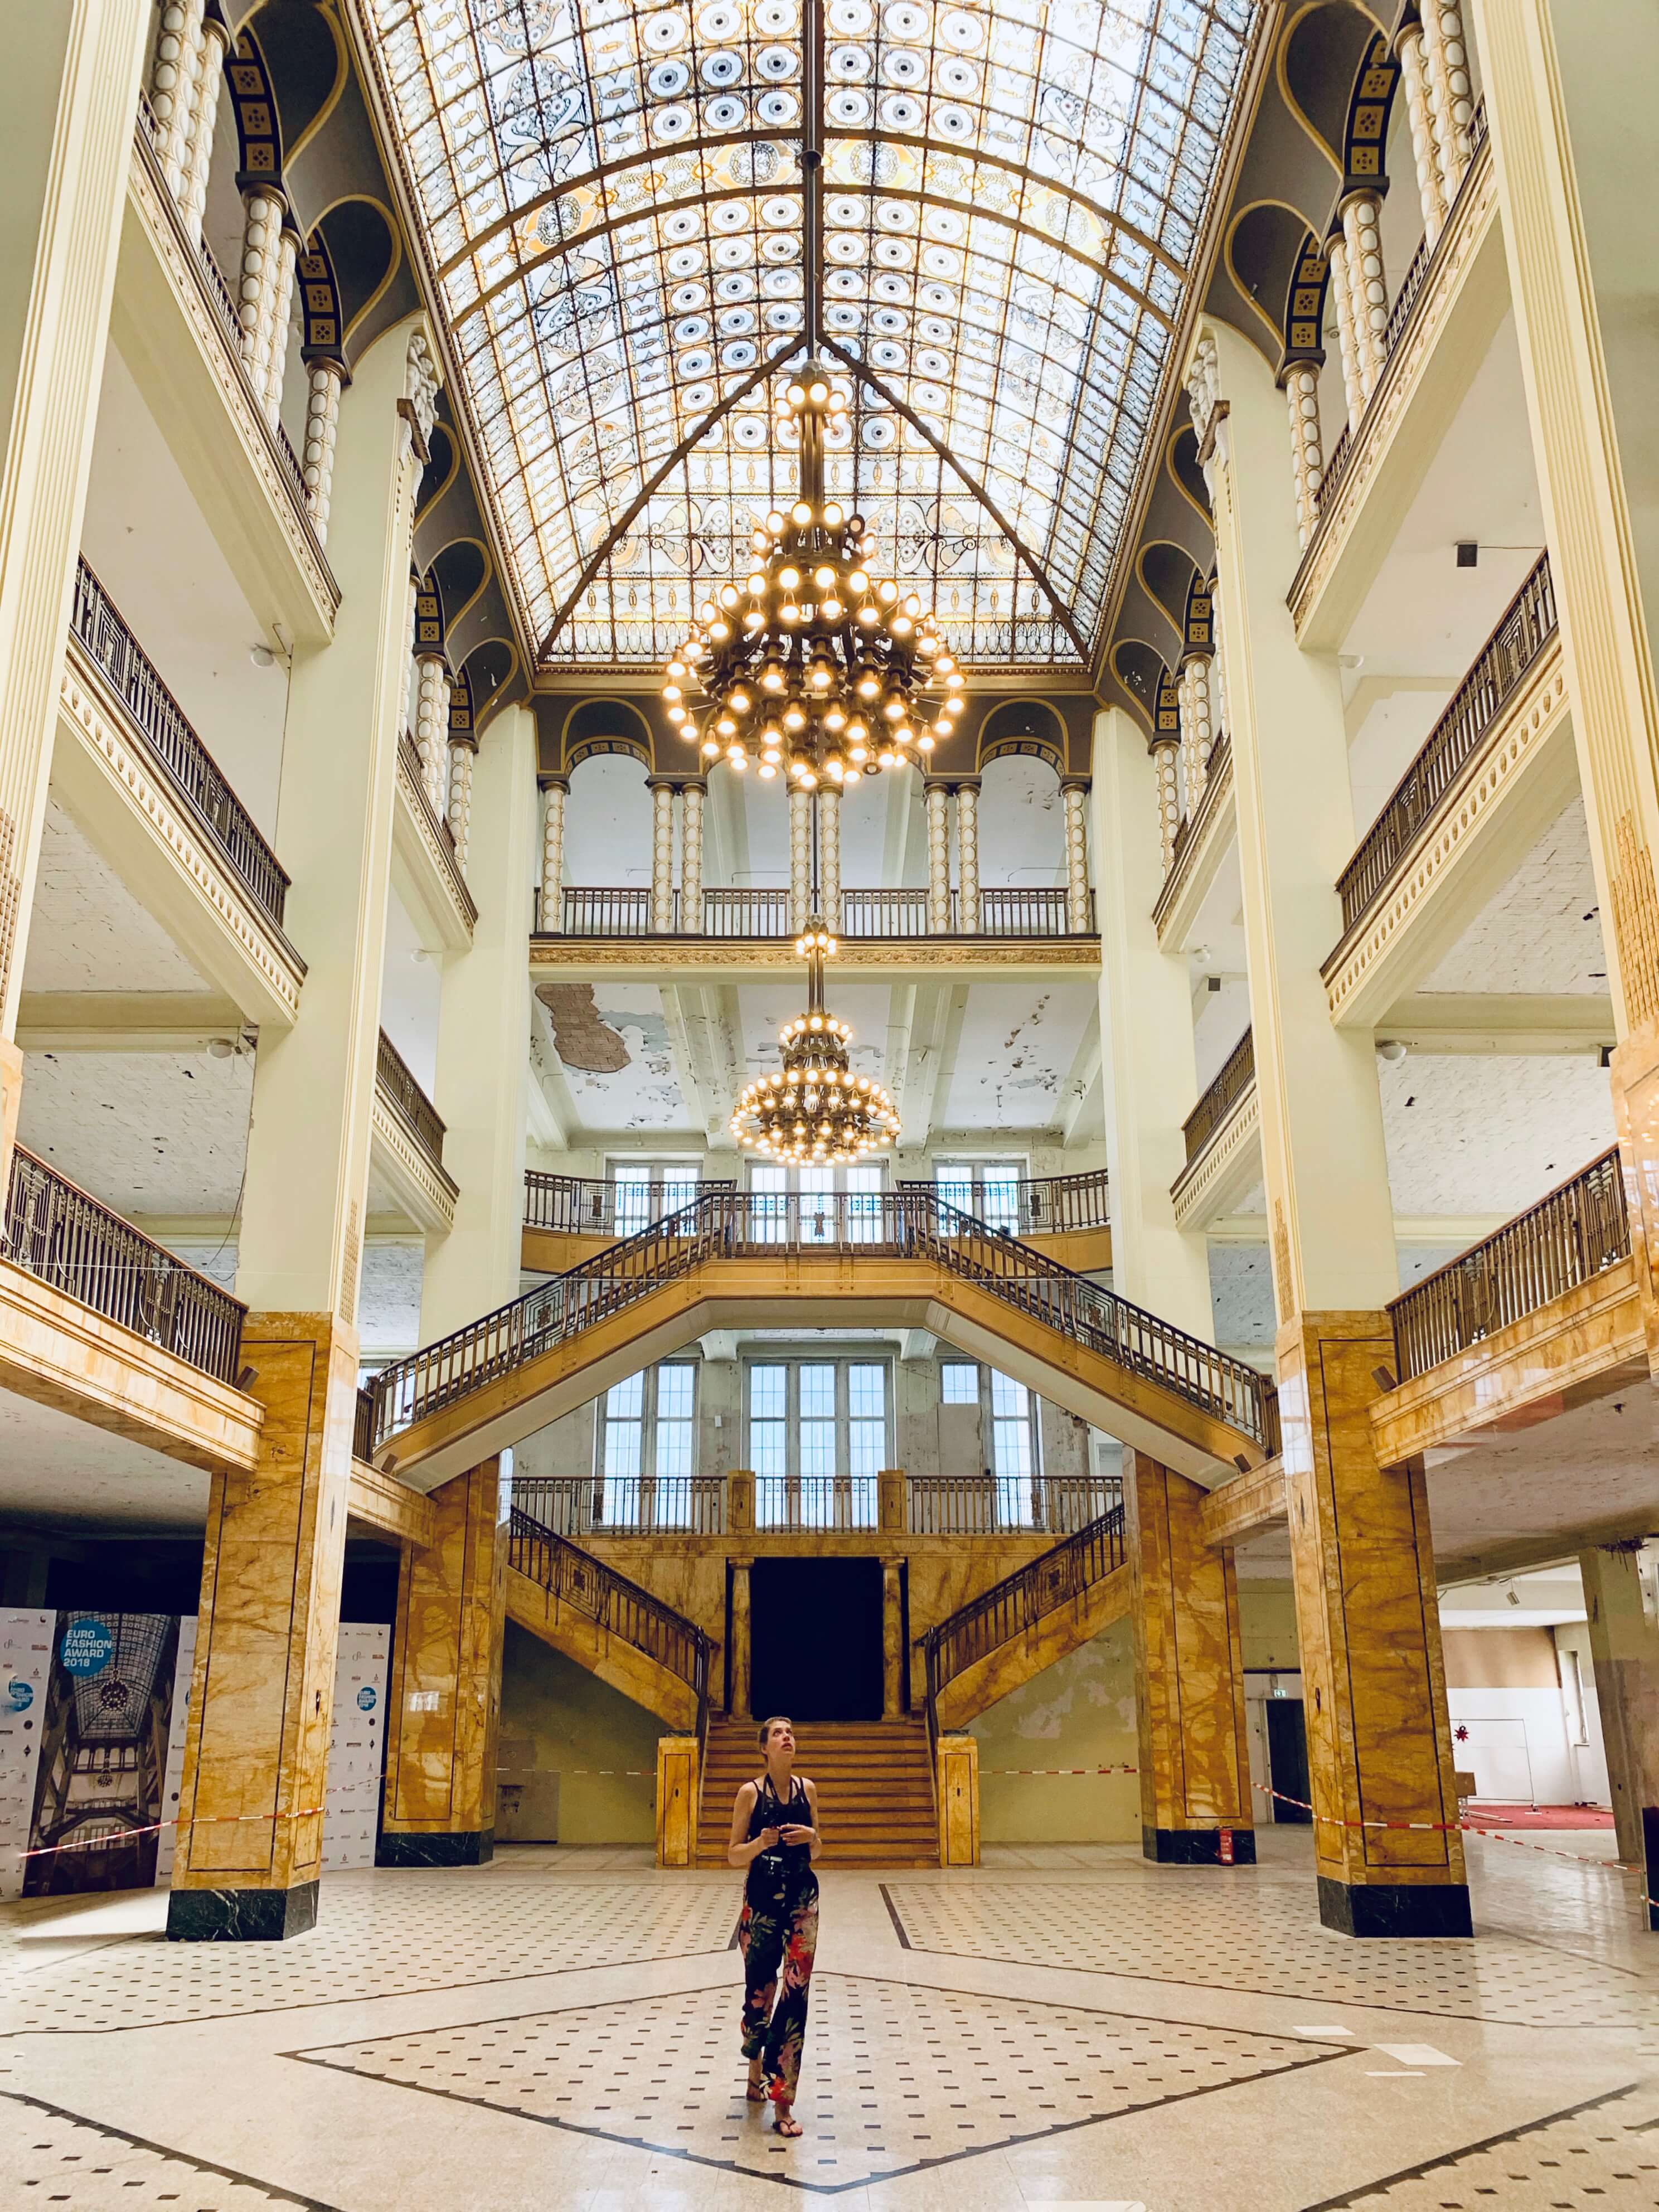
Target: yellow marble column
738,1646
68,100
1624,1651
1568,93
444,1709
892,1641
256,1751
1190,1676
1379,1746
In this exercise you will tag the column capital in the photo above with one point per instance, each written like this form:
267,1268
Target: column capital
552,778
1075,782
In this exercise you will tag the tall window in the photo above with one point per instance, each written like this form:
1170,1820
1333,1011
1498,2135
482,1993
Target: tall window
988,1189
643,1191
817,1439
816,1205
646,1447
1009,1413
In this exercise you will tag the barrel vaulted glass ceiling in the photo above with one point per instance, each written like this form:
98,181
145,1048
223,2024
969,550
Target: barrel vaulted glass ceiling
612,199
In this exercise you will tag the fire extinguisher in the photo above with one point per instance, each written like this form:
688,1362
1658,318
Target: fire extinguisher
1225,1838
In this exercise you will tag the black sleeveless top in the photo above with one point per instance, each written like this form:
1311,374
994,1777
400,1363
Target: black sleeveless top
785,1872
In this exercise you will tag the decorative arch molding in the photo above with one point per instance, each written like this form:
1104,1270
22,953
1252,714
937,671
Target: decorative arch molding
1140,672
1022,728
460,707
1304,306
365,246
319,305
429,627
493,677
1166,722
1198,627
1365,140
259,133
307,66
441,470
464,570
1180,465
1166,571
597,726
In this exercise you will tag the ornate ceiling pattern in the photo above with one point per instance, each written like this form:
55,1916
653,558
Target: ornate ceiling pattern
613,202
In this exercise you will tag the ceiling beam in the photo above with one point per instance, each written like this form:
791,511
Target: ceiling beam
552,1116
127,1021
1082,1102
1519,1023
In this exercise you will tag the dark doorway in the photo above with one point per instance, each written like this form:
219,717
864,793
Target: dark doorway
815,1632
1287,1759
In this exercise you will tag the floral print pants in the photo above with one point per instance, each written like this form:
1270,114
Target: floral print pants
773,1935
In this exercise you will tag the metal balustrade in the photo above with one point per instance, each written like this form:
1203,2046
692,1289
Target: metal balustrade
1040,1205
624,1505
60,1233
1574,1234
910,1223
362,1426
583,1206
574,1579
1526,628
188,766
798,1503
1017,1603
1237,1074
1007,1505
877,915
404,1095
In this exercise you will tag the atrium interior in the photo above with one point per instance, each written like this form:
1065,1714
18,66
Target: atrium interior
828,888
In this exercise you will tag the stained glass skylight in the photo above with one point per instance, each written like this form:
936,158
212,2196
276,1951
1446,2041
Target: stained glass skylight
612,196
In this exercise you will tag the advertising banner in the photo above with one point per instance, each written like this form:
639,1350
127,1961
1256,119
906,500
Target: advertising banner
26,1640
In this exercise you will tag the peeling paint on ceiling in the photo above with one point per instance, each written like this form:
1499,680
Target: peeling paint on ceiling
583,1036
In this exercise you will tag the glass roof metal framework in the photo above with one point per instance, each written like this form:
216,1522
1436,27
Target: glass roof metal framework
613,196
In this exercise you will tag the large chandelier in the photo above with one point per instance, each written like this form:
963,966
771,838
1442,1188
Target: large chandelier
813,663
813,1111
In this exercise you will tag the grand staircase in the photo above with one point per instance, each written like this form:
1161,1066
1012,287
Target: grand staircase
874,1782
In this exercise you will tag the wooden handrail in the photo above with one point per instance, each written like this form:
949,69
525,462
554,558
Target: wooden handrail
1237,1074
624,911
575,1578
405,1093
1049,1204
580,1206
1573,1233
629,1505
70,1239
997,1615
912,1223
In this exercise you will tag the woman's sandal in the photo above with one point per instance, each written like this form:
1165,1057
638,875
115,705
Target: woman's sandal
755,2090
786,2124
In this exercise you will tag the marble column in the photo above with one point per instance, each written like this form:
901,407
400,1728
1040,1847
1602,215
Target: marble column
741,1691
937,800
800,858
1368,284
1425,147
967,856
432,729
204,116
481,1073
829,859
1341,295
444,1708
892,1641
662,854
692,796
1301,383
1624,1653
1195,1806
67,100
1194,697
1363,1565
463,754
406,666
325,380
1166,768
554,791
1451,92
258,276
281,309
1074,805
173,84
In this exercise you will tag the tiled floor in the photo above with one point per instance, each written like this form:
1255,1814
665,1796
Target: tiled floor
1063,2027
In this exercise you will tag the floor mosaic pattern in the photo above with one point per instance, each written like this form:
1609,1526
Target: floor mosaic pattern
62,2159
1605,2158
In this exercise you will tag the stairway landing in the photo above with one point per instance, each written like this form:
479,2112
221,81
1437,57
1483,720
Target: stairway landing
874,1782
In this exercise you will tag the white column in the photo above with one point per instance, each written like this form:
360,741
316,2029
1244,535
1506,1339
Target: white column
691,799
68,96
204,116
173,84
1425,149
288,257
432,729
1146,1042
1220,720
662,855
1074,802
829,859
554,791
1301,382
1166,792
801,858
326,381
306,1195
937,800
462,753
482,1075
258,278
1195,728
406,663
1368,284
968,858
1451,92
1341,292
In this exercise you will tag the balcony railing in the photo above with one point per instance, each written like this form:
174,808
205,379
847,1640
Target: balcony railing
362,1427
576,1579
1059,1577
882,916
1527,624
189,766
1006,1505
403,1093
1580,1230
1043,1206
60,1234
624,1505
583,1206
1237,1074
412,778
1186,829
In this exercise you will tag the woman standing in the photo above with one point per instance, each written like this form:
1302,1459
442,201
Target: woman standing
774,1833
